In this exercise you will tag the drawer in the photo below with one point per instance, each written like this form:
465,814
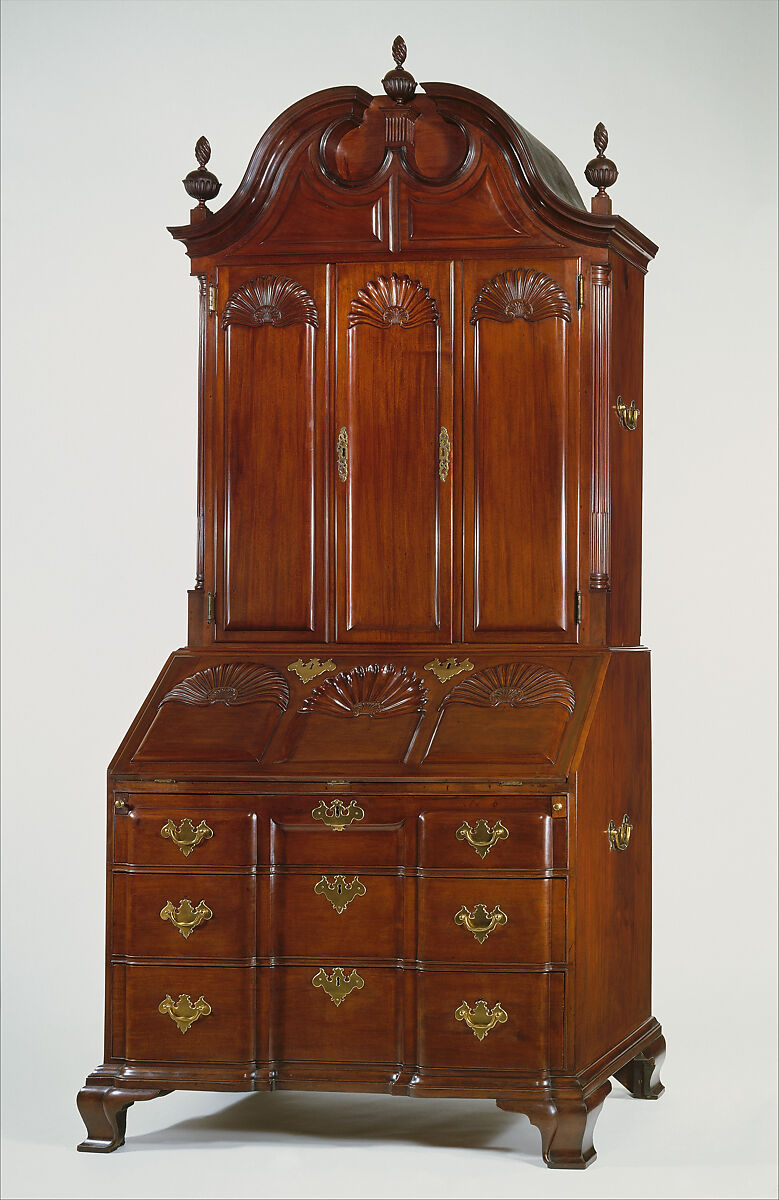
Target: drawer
305,842
487,840
217,922
226,1034
364,1027
526,1036
520,920
306,922
197,834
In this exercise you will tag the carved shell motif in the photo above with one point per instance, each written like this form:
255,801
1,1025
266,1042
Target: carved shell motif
397,300
231,683
368,692
520,295
270,300
520,685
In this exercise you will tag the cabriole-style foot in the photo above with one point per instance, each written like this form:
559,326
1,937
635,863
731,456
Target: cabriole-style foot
104,1112
566,1124
641,1076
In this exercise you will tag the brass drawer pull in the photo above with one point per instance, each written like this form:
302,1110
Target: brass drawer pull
619,839
628,414
187,836
480,1019
186,917
444,454
342,454
338,816
481,837
481,922
338,985
184,1012
339,892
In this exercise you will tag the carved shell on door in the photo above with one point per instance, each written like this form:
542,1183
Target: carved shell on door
231,683
372,691
270,300
519,685
393,300
520,295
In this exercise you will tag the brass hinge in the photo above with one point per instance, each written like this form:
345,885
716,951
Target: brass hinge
211,299
577,608
580,291
210,607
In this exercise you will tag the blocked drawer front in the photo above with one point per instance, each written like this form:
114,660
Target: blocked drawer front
484,920
469,839
304,842
524,1010
336,914
196,834
207,915
364,1026
220,999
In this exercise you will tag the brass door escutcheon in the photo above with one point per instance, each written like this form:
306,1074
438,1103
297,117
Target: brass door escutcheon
628,413
184,1012
309,670
450,667
186,917
619,839
481,837
444,454
480,1019
481,922
339,892
342,454
338,816
338,985
187,836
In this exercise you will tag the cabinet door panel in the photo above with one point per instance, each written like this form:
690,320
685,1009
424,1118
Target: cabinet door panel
274,412
394,398
521,460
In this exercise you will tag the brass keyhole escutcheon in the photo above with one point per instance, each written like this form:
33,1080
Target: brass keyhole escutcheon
338,985
339,892
338,816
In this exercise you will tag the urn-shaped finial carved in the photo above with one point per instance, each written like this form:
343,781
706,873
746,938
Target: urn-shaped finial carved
201,184
399,84
601,172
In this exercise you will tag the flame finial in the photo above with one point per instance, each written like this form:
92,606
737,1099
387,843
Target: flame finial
601,172
399,84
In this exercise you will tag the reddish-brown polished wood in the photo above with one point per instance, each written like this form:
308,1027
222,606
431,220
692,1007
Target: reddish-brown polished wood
385,823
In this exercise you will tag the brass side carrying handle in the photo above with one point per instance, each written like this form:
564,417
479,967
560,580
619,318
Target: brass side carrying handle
183,1012
187,836
444,454
481,837
480,1019
338,816
186,917
342,454
480,922
628,413
619,839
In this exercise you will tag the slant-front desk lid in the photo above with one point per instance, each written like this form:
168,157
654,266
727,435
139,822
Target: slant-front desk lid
408,714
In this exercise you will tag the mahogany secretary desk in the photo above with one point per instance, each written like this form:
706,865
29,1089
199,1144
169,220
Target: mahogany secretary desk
384,824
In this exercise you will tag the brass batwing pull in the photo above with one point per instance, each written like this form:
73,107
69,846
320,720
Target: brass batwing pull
444,454
342,454
480,922
186,917
480,1019
628,413
339,892
619,839
338,816
184,1012
481,837
338,985
187,836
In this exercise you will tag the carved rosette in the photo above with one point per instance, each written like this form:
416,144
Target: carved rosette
231,684
518,685
393,300
372,691
270,300
520,295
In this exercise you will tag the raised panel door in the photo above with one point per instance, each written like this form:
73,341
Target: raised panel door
520,449
394,459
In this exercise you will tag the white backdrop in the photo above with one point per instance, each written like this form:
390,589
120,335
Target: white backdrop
102,105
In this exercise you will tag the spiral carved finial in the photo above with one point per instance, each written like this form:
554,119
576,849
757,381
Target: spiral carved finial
601,172
399,84
201,184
